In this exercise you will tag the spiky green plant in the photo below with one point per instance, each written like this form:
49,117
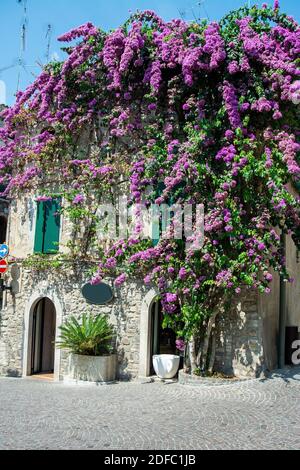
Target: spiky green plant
92,336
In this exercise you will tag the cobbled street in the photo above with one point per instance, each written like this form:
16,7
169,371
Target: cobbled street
255,414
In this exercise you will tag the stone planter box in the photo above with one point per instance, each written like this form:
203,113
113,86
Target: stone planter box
92,368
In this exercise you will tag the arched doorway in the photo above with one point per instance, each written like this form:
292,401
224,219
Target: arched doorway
153,338
162,340
43,337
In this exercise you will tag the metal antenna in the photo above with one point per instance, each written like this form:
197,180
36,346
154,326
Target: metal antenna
7,68
48,36
194,15
182,14
24,24
201,4
22,40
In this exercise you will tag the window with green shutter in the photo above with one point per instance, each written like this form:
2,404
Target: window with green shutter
157,226
47,226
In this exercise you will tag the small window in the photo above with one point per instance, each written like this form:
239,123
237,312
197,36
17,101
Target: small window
47,226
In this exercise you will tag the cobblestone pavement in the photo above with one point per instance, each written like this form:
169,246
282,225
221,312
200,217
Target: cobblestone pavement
256,414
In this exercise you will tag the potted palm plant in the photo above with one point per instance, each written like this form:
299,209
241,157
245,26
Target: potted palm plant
89,342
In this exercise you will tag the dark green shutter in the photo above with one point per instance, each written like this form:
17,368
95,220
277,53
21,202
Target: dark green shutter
47,227
177,192
158,192
39,228
52,226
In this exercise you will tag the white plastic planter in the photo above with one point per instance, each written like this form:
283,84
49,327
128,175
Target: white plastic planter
165,365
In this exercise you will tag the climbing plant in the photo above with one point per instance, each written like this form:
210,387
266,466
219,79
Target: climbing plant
208,112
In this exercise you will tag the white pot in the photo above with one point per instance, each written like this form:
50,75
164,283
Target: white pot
165,365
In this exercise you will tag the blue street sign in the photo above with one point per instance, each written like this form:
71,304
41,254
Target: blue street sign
3,250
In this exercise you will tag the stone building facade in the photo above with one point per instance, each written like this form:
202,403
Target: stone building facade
246,342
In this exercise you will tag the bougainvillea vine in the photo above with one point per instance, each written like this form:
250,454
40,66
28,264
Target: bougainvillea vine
209,113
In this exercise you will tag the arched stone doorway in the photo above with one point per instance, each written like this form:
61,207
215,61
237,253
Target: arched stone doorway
43,337
40,293
41,329
153,338
162,340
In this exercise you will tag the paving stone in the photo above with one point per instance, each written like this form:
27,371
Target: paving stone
255,414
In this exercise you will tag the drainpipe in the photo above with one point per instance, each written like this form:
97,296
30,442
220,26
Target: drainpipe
282,310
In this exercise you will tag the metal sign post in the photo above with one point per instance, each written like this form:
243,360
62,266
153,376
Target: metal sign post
4,250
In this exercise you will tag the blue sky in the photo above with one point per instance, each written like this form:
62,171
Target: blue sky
63,15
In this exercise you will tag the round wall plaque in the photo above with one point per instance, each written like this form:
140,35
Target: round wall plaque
98,294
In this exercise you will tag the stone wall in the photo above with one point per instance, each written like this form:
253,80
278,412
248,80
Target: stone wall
269,310
11,333
293,289
246,337
239,348
64,289
239,338
269,306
